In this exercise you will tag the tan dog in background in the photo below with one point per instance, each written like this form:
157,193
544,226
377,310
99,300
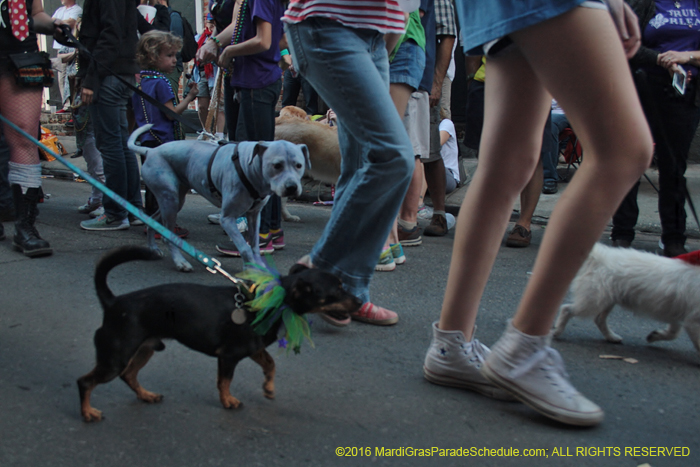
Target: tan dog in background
294,125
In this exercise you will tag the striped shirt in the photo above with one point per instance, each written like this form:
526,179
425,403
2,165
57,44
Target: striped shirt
384,16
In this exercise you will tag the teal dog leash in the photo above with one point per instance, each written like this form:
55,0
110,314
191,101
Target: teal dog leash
211,264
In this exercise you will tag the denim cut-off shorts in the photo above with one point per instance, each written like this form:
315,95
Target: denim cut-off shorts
486,26
408,65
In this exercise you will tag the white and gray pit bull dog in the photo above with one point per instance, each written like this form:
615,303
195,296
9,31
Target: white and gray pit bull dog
237,177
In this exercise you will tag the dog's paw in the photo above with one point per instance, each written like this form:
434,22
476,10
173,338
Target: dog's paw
655,336
92,415
184,266
613,338
291,218
157,251
230,402
269,390
150,397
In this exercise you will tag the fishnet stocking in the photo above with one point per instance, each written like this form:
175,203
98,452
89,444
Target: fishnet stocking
21,106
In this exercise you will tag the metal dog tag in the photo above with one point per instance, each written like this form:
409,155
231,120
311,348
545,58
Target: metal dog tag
238,316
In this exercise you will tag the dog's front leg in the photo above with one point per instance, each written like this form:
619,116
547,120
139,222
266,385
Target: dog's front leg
602,322
223,383
565,315
253,217
265,360
169,209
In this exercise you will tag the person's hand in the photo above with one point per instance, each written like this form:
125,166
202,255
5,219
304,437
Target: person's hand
194,90
627,26
435,94
226,58
331,117
87,96
670,58
207,52
57,30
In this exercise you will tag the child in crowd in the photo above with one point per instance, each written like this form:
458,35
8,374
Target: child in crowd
251,51
156,54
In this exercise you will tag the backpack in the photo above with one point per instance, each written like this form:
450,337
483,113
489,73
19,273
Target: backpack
189,45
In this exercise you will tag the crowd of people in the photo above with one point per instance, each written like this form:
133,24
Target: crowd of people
388,78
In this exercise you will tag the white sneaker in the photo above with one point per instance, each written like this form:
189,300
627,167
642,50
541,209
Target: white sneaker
97,212
451,221
241,222
425,212
452,361
534,372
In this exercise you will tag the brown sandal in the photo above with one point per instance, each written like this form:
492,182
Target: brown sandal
519,237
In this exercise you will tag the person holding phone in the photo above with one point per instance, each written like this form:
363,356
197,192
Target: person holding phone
670,49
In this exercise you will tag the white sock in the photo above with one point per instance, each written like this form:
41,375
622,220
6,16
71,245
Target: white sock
24,175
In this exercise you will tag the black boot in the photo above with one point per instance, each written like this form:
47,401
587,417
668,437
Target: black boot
2,232
27,239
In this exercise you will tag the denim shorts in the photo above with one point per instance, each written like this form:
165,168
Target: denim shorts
408,65
203,88
485,25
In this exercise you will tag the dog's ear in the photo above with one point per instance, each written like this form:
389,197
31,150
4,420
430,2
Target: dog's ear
259,150
305,151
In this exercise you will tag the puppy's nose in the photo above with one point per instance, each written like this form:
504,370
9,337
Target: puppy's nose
292,190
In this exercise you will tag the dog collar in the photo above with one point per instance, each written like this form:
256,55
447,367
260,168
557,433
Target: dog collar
269,308
246,183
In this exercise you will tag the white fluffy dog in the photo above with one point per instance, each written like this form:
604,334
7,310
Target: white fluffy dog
664,289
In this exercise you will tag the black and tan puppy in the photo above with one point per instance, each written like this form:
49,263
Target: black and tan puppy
198,316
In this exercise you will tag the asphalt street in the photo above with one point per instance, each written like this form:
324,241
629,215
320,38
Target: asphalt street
357,398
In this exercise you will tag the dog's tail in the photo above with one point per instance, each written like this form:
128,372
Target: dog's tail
134,136
114,258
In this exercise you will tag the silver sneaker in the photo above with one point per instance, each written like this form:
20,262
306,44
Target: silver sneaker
534,372
452,361
105,223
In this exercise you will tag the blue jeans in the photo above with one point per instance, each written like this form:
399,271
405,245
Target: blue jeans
257,117
550,160
111,134
292,86
231,108
350,71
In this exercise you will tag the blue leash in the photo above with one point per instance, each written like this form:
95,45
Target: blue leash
211,264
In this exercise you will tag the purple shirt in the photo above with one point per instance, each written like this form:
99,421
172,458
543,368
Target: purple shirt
259,70
145,112
673,29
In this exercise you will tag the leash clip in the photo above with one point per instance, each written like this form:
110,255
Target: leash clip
217,268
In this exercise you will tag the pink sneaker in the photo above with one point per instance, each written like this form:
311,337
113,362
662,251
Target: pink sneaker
373,314
277,239
341,323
